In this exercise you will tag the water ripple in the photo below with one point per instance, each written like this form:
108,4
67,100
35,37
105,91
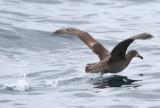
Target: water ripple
54,66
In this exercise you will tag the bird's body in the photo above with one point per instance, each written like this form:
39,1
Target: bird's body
108,67
116,66
113,62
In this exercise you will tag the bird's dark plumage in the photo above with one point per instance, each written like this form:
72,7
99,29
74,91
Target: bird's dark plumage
113,62
119,51
94,45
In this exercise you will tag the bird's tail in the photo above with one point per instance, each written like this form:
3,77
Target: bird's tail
142,36
96,67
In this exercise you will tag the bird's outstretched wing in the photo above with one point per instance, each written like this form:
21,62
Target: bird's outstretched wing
94,45
119,51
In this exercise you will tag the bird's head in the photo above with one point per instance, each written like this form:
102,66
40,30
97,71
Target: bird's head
134,53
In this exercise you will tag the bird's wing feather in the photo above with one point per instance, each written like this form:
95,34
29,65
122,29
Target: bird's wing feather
94,45
119,51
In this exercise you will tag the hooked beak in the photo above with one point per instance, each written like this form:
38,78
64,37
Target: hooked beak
140,56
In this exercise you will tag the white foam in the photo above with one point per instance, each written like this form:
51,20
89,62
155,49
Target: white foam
20,85
53,83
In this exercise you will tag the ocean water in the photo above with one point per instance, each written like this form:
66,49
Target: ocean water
41,70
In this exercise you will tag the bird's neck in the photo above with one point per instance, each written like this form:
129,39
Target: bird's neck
128,57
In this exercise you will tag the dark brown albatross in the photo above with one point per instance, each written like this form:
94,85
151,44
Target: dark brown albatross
113,62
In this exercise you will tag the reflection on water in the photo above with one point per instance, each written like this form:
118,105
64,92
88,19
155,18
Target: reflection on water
113,81
40,69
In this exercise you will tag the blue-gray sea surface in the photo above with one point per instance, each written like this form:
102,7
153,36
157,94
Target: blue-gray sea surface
41,70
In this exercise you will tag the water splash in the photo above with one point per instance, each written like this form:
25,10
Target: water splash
20,84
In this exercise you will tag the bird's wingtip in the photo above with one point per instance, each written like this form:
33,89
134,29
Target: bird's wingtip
142,36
